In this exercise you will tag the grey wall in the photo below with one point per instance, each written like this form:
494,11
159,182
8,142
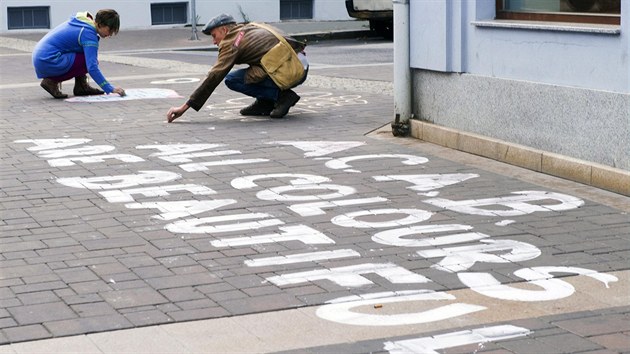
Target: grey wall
581,123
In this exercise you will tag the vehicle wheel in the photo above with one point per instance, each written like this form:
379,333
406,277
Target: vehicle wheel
582,5
383,28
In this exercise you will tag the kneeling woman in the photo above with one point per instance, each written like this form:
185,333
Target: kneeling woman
70,50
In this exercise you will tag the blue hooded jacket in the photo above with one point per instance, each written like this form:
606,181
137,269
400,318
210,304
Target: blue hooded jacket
54,54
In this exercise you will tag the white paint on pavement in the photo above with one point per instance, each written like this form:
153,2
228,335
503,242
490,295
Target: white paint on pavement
182,80
350,219
71,161
461,258
320,148
342,163
513,205
203,166
339,310
279,193
430,345
553,289
350,276
130,94
298,179
201,225
121,181
315,208
302,257
302,233
46,144
181,209
394,237
125,195
181,153
80,151
425,183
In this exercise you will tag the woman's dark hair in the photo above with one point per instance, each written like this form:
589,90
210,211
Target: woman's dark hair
109,18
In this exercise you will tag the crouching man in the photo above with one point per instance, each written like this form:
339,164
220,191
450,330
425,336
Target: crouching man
246,44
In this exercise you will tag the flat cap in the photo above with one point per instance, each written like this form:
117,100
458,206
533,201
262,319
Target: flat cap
220,20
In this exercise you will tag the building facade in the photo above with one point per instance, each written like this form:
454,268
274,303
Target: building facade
548,75
41,15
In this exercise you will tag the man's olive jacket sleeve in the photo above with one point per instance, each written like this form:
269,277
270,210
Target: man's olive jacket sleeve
225,62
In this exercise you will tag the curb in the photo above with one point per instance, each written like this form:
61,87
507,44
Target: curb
318,36
581,171
305,37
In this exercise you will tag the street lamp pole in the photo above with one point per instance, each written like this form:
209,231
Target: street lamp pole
193,20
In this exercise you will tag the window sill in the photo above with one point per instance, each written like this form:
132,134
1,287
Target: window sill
550,26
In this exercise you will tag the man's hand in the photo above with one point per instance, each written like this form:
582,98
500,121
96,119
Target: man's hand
176,112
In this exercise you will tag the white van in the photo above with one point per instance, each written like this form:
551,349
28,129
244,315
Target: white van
380,14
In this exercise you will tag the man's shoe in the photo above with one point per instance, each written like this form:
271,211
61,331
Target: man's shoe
260,107
52,87
82,88
286,100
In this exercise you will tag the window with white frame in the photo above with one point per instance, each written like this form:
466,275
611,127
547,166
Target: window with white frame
578,11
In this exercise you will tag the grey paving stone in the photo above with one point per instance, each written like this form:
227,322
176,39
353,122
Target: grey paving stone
567,343
177,261
38,297
597,325
148,318
197,314
152,271
117,242
182,294
260,303
87,325
25,333
39,313
6,293
35,287
137,260
76,275
133,297
177,281
196,304
6,322
108,267
74,299
194,269
23,271
90,287
93,309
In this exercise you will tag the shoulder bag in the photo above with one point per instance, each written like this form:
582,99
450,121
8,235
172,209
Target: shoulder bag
281,62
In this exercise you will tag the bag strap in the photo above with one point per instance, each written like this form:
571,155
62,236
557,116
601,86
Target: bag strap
274,32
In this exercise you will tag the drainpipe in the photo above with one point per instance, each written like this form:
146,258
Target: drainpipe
193,20
402,70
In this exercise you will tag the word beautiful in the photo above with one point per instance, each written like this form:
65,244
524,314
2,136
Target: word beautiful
432,241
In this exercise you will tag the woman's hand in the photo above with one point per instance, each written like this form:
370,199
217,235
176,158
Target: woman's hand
176,112
119,91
